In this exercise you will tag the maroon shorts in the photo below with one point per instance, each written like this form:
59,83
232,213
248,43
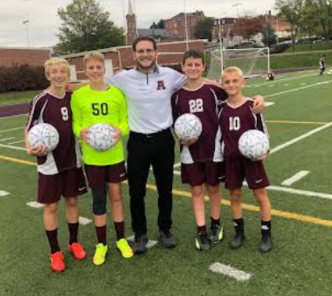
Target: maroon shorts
98,176
68,183
199,173
243,168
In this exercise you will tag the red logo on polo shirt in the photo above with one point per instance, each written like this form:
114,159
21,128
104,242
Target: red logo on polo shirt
161,85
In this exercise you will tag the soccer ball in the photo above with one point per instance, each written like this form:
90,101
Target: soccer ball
43,134
254,144
101,136
187,127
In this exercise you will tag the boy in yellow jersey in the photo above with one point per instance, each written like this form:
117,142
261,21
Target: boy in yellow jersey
101,103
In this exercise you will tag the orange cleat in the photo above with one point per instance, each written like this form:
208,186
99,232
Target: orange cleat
57,262
77,250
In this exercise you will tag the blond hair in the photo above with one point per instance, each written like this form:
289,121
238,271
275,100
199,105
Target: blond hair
54,61
232,70
94,55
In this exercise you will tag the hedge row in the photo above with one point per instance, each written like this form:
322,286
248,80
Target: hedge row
21,78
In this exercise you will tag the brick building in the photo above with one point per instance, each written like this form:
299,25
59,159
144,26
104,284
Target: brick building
116,58
176,24
21,56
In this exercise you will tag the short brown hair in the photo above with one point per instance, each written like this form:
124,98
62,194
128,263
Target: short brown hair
193,53
144,38
93,55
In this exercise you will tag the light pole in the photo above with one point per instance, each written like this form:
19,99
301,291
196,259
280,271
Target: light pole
186,24
26,23
237,16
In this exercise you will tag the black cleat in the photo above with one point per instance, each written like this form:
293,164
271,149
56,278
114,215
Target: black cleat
238,240
202,242
217,234
139,245
167,239
265,244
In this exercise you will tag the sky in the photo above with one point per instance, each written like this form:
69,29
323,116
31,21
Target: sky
35,23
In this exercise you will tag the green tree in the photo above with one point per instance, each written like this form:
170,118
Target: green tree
292,11
323,11
159,25
86,26
203,29
269,35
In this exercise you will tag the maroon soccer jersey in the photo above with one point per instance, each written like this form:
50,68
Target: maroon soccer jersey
204,103
234,121
46,108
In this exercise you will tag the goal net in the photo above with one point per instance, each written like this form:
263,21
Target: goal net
254,62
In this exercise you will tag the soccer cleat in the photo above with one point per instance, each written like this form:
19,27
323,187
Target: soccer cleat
265,244
202,242
124,248
217,233
238,240
139,245
57,262
100,254
77,250
167,239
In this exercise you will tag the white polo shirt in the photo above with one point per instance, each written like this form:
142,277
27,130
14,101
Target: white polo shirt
149,97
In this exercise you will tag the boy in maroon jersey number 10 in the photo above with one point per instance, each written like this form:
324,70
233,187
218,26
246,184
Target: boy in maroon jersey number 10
236,116
59,171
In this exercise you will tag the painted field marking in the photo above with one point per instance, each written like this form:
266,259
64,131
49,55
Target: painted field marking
13,147
298,176
13,116
249,207
149,245
230,271
11,129
6,139
3,193
283,146
297,122
177,165
297,89
35,204
84,221
267,104
16,142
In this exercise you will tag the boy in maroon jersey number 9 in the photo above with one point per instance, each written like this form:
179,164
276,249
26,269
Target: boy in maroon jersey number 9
236,116
59,171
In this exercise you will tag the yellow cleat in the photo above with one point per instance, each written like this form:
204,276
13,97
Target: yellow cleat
124,248
100,254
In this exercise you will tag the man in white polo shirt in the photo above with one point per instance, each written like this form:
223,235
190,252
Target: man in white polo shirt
148,89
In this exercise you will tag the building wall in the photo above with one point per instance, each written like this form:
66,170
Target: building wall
21,56
176,25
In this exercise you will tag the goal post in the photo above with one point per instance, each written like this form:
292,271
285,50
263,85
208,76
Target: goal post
254,62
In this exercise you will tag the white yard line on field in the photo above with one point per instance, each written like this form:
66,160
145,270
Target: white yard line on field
3,193
283,146
16,142
6,139
13,116
13,147
84,221
149,245
230,271
298,176
11,129
297,89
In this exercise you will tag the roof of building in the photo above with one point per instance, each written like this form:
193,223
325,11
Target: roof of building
182,14
162,33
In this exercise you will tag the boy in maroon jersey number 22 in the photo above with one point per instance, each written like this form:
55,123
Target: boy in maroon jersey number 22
59,171
235,118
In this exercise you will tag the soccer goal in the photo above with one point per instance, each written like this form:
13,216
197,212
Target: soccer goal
254,62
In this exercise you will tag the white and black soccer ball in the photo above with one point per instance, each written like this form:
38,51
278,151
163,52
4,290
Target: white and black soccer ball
254,144
43,134
187,127
101,136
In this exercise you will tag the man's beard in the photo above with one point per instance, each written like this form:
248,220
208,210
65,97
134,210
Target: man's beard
145,68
